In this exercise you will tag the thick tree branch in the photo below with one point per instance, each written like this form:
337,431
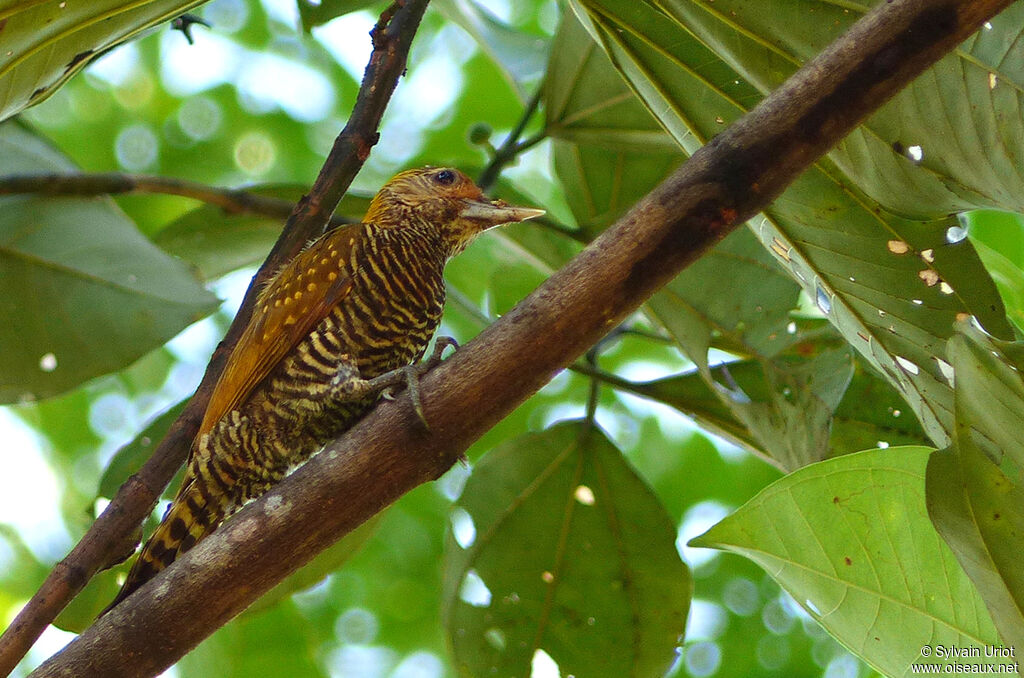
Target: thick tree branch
110,535
728,181
231,200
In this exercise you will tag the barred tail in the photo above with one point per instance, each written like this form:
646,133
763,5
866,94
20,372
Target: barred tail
193,515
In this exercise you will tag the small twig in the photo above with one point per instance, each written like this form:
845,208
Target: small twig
231,200
595,386
511,147
111,534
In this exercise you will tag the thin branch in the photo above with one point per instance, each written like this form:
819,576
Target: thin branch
511,147
231,200
388,453
111,535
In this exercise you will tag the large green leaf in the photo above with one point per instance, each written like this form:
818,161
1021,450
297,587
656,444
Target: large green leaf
978,511
608,150
990,391
891,285
560,547
46,42
849,538
963,115
977,508
82,292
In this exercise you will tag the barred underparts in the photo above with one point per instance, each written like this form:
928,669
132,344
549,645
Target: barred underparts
342,321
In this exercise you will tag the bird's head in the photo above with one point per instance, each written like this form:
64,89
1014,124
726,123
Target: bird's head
441,198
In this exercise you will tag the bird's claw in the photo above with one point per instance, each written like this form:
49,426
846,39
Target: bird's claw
414,372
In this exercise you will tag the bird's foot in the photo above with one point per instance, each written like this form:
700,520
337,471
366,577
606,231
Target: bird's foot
409,375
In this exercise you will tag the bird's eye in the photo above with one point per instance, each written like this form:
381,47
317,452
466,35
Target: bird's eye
445,177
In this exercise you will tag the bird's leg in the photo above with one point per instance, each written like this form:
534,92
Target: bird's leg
348,385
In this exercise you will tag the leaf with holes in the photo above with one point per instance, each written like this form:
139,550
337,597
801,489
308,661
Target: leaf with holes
559,546
737,298
45,43
83,292
868,413
950,141
849,538
892,285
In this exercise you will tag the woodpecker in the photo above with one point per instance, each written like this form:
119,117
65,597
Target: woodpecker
349,316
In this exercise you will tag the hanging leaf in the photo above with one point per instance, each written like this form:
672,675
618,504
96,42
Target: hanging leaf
518,55
849,539
975,506
47,42
608,150
83,292
594,562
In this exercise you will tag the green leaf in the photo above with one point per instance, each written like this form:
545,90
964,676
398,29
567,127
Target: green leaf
576,556
1008,276
869,412
315,14
963,113
978,511
81,612
83,292
893,286
608,150
976,508
737,293
990,391
216,242
45,43
849,538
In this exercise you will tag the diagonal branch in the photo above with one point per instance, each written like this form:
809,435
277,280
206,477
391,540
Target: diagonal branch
728,181
111,535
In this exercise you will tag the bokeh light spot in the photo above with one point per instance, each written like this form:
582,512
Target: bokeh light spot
200,118
136,148
255,153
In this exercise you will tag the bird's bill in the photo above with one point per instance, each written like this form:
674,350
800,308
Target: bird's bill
497,212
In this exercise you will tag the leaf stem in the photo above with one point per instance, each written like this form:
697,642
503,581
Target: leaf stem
512,147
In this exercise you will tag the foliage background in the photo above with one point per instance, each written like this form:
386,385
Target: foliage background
256,101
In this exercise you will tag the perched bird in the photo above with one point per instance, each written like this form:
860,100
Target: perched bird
343,320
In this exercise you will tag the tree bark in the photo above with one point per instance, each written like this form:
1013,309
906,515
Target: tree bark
733,177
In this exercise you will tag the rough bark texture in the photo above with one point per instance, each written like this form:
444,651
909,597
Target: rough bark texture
737,174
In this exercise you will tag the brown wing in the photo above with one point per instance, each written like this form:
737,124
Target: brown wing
292,304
